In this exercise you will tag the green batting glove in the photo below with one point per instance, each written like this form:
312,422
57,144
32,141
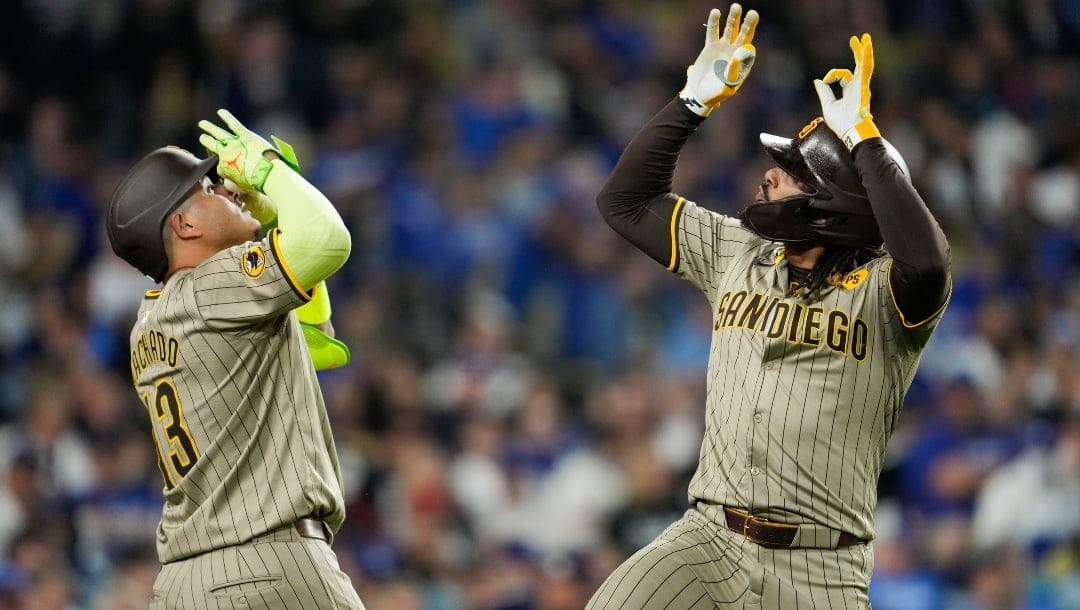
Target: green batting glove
240,152
326,351
260,206
724,62
849,115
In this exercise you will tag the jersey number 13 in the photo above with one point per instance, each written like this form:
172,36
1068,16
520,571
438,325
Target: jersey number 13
176,451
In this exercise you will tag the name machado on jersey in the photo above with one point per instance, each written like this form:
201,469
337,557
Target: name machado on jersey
152,347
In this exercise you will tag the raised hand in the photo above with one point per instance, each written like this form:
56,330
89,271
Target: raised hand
724,62
849,115
240,151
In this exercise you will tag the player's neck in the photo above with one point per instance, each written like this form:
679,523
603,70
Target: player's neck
803,257
173,271
187,256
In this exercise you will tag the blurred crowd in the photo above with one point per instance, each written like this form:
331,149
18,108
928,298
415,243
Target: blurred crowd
524,406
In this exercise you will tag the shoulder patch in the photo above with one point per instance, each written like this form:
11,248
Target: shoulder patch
152,294
854,278
253,261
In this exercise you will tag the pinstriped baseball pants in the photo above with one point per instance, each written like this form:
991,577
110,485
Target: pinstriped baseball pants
698,564
279,570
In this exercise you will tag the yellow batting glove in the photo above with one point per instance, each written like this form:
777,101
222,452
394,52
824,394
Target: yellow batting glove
723,64
849,115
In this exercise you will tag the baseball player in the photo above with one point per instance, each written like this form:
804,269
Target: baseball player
817,333
251,478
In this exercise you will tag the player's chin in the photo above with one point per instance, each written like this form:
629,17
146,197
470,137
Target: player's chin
254,227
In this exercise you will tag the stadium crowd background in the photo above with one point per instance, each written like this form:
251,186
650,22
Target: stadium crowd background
524,405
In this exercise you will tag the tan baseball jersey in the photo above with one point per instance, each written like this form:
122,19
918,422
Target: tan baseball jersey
801,396
244,443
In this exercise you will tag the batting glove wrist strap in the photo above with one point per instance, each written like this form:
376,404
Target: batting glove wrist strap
286,152
724,62
863,130
849,115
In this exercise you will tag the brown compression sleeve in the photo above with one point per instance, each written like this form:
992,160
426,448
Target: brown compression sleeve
637,201
919,276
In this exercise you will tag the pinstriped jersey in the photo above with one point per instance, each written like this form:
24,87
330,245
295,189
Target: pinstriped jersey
244,443
801,396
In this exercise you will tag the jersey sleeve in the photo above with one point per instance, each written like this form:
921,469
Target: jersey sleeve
246,284
706,243
920,280
908,337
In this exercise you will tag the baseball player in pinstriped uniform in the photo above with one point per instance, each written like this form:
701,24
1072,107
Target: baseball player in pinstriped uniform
252,481
817,333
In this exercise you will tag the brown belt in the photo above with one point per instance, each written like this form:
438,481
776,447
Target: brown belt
772,534
312,528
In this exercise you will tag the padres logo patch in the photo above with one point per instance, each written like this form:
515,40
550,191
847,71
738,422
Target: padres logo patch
253,261
854,278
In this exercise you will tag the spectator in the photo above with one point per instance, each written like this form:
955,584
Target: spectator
1043,485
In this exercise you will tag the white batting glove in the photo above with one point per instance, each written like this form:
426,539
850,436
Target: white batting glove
724,62
849,115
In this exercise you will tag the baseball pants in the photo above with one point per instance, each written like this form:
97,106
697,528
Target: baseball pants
279,570
698,564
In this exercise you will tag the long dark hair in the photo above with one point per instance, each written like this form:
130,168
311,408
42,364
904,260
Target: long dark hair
831,267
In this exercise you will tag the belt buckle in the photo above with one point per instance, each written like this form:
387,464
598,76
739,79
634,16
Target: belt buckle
750,519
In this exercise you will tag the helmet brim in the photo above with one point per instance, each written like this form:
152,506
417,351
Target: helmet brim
786,155
206,167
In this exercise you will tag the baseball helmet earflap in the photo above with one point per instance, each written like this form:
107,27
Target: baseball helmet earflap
150,191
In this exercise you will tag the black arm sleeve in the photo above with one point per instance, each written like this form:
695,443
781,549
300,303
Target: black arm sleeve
920,271
637,201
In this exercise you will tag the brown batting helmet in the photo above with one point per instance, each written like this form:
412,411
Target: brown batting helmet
157,184
836,210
